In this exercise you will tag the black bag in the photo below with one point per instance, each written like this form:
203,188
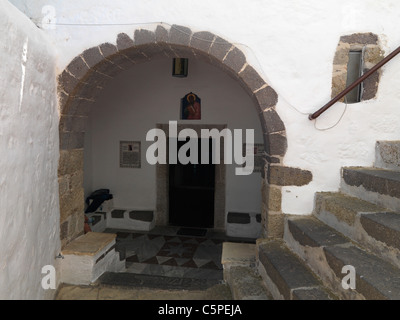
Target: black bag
98,197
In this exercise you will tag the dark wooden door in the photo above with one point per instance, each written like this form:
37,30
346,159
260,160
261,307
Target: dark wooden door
191,192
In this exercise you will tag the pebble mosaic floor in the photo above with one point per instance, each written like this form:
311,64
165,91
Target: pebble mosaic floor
165,253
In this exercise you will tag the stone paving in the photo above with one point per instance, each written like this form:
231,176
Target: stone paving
102,292
161,265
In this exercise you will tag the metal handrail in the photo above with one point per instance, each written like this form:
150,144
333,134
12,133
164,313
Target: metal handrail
354,84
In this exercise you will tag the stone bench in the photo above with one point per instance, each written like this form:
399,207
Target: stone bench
87,257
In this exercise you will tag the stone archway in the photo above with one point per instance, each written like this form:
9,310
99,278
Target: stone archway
88,73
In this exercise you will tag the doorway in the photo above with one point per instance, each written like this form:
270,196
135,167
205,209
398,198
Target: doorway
192,191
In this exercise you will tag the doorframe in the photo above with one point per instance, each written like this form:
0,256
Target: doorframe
162,180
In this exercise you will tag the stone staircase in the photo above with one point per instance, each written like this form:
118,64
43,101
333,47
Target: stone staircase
355,231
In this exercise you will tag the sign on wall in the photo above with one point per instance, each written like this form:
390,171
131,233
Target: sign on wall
129,154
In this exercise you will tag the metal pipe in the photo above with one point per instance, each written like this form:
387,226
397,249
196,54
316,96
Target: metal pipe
354,84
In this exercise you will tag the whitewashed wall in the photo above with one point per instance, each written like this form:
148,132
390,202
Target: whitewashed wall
147,95
291,44
29,214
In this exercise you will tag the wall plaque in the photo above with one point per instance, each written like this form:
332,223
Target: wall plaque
129,154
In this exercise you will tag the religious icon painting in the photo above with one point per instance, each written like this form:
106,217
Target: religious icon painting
191,107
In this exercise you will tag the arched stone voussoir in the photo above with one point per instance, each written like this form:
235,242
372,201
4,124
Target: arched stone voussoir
271,122
251,79
179,35
275,143
202,41
89,73
235,59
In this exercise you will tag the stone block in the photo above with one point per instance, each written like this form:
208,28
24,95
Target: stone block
124,42
271,122
77,107
383,226
155,51
235,60
71,140
274,198
238,254
220,48
73,123
387,155
275,143
342,54
136,55
360,38
381,181
179,35
288,176
64,230
251,78
308,231
143,36
266,98
71,203
202,41
246,284
76,180
92,56
78,68
373,54
370,86
345,208
161,34
107,49
274,225
108,68
375,278
70,161
67,83
286,271
62,100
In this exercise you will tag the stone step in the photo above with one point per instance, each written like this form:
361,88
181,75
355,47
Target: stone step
246,284
372,226
327,252
340,210
238,261
134,280
285,275
387,155
379,186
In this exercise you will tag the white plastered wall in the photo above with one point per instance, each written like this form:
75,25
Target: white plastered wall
139,99
291,44
29,213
